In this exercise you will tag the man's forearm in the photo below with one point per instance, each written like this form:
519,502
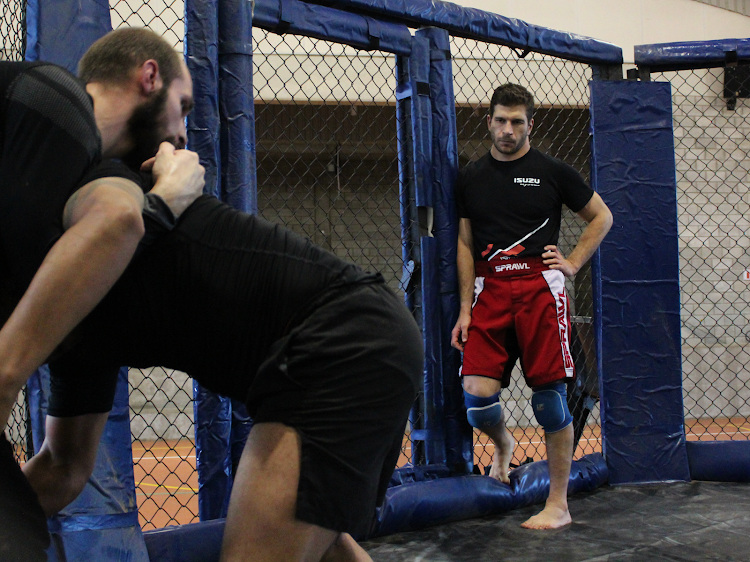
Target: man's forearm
589,241
465,262
76,274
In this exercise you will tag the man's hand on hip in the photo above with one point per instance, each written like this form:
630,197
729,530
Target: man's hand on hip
553,258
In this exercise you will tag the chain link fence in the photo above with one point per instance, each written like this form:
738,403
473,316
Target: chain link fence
13,34
561,129
712,152
327,153
13,29
161,400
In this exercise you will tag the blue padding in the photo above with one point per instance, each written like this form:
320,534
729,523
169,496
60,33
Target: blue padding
61,31
213,429
419,473
636,288
421,121
433,397
236,107
300,18
458,434
32,30
695,54
424,504
197,542
202,56
719,461
102,522
478,24
407,507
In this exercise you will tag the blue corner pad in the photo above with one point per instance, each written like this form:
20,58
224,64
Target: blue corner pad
719,461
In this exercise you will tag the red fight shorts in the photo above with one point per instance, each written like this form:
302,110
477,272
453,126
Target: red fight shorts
521,311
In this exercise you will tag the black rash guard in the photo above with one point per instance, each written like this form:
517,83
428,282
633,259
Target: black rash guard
49,139
506,201
210,298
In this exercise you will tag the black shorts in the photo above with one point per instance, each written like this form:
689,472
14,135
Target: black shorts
23,526
345,379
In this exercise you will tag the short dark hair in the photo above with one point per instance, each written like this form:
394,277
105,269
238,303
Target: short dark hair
510,95
113,58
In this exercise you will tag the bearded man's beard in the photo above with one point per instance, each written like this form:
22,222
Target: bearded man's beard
147,129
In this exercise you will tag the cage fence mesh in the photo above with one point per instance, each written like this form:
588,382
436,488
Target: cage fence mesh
13,33
711,115
561,129
327,157
13,29
161,400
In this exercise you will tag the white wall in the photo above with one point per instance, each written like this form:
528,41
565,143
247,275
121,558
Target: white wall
625,23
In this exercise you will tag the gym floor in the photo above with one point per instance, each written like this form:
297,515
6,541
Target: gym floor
685,522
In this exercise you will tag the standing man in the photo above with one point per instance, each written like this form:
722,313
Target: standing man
64,242
512,286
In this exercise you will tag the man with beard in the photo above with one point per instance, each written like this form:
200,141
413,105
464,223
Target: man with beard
512,286
64,242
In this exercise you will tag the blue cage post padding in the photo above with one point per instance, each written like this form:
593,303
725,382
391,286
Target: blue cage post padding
723,461
636,294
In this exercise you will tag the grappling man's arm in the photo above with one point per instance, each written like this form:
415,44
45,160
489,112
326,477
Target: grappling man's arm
103,227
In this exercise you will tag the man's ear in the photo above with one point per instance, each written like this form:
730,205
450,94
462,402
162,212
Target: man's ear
531,125
149,77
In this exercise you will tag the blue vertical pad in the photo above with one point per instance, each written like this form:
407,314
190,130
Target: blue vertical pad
637,298
61,31
459,437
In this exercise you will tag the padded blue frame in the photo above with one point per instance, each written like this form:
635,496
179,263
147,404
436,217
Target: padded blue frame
685,55
637,292
486,26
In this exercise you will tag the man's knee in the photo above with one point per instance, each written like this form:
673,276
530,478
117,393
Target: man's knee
550,406
480,385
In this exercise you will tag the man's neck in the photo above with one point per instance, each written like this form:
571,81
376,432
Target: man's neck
113,107
502,157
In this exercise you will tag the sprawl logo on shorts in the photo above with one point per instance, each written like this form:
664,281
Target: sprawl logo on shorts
526,182
511,267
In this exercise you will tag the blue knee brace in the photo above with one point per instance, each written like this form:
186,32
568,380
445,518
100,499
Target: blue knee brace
483,411
551,407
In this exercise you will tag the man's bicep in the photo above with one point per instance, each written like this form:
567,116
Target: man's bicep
75,438
109,190
593,208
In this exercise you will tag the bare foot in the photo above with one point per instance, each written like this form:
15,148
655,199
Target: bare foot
502,457
551,517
